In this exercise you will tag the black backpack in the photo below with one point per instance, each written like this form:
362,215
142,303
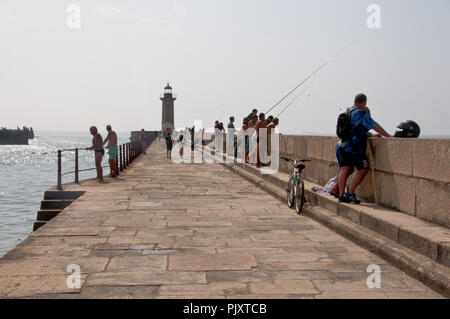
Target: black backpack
344,125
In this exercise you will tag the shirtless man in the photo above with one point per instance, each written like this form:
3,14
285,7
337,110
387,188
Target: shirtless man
274,123
113,151
252,122
261,141
97,146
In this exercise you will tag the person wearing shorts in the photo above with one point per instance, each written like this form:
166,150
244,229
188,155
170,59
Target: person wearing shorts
169,144
97,146
113,151
352,153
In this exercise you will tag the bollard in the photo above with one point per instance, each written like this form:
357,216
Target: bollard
76,167
59,184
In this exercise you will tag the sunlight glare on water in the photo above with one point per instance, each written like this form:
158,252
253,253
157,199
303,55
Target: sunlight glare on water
26,171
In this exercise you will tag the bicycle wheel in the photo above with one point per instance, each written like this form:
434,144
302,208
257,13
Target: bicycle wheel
290,192
300,196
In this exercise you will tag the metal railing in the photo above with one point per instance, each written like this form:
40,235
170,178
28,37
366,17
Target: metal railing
128,152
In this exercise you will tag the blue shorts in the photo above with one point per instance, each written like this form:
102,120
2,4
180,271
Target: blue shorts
338,155
113,152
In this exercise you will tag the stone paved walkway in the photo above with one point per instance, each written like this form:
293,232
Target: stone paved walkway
191,231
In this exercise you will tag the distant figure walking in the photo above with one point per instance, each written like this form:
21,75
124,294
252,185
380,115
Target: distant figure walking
169,144
113,151
181,144
97,146
143,140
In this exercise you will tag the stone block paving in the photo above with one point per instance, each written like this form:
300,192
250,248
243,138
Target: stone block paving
165,230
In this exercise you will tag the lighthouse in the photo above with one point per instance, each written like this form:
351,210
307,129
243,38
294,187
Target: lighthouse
168,99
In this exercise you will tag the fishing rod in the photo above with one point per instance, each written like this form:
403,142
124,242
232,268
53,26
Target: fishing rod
309,76
298,95
292,102
223,110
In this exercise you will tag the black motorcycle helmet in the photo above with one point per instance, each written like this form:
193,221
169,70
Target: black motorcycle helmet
408,129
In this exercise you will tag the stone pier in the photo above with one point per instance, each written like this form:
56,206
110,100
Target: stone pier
165,230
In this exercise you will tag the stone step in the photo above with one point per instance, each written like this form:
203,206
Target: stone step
71,195
419,248
38,224
47,214
54,204
429,239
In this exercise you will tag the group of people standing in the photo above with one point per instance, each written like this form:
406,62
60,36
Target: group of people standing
250,130
350,152
98,146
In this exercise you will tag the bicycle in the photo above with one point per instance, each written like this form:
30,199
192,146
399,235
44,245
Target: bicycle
296,186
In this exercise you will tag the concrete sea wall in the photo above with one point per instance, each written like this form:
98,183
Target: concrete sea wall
411,175
13,137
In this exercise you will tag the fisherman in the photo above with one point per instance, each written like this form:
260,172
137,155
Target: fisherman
261,140
242,140
353,151
113,151
181,143
253,115
97,146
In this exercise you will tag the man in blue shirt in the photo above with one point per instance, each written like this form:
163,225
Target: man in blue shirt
353,151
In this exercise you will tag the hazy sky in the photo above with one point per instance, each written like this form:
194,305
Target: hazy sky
237,54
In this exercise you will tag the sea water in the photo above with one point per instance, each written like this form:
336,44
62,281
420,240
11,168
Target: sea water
27,171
